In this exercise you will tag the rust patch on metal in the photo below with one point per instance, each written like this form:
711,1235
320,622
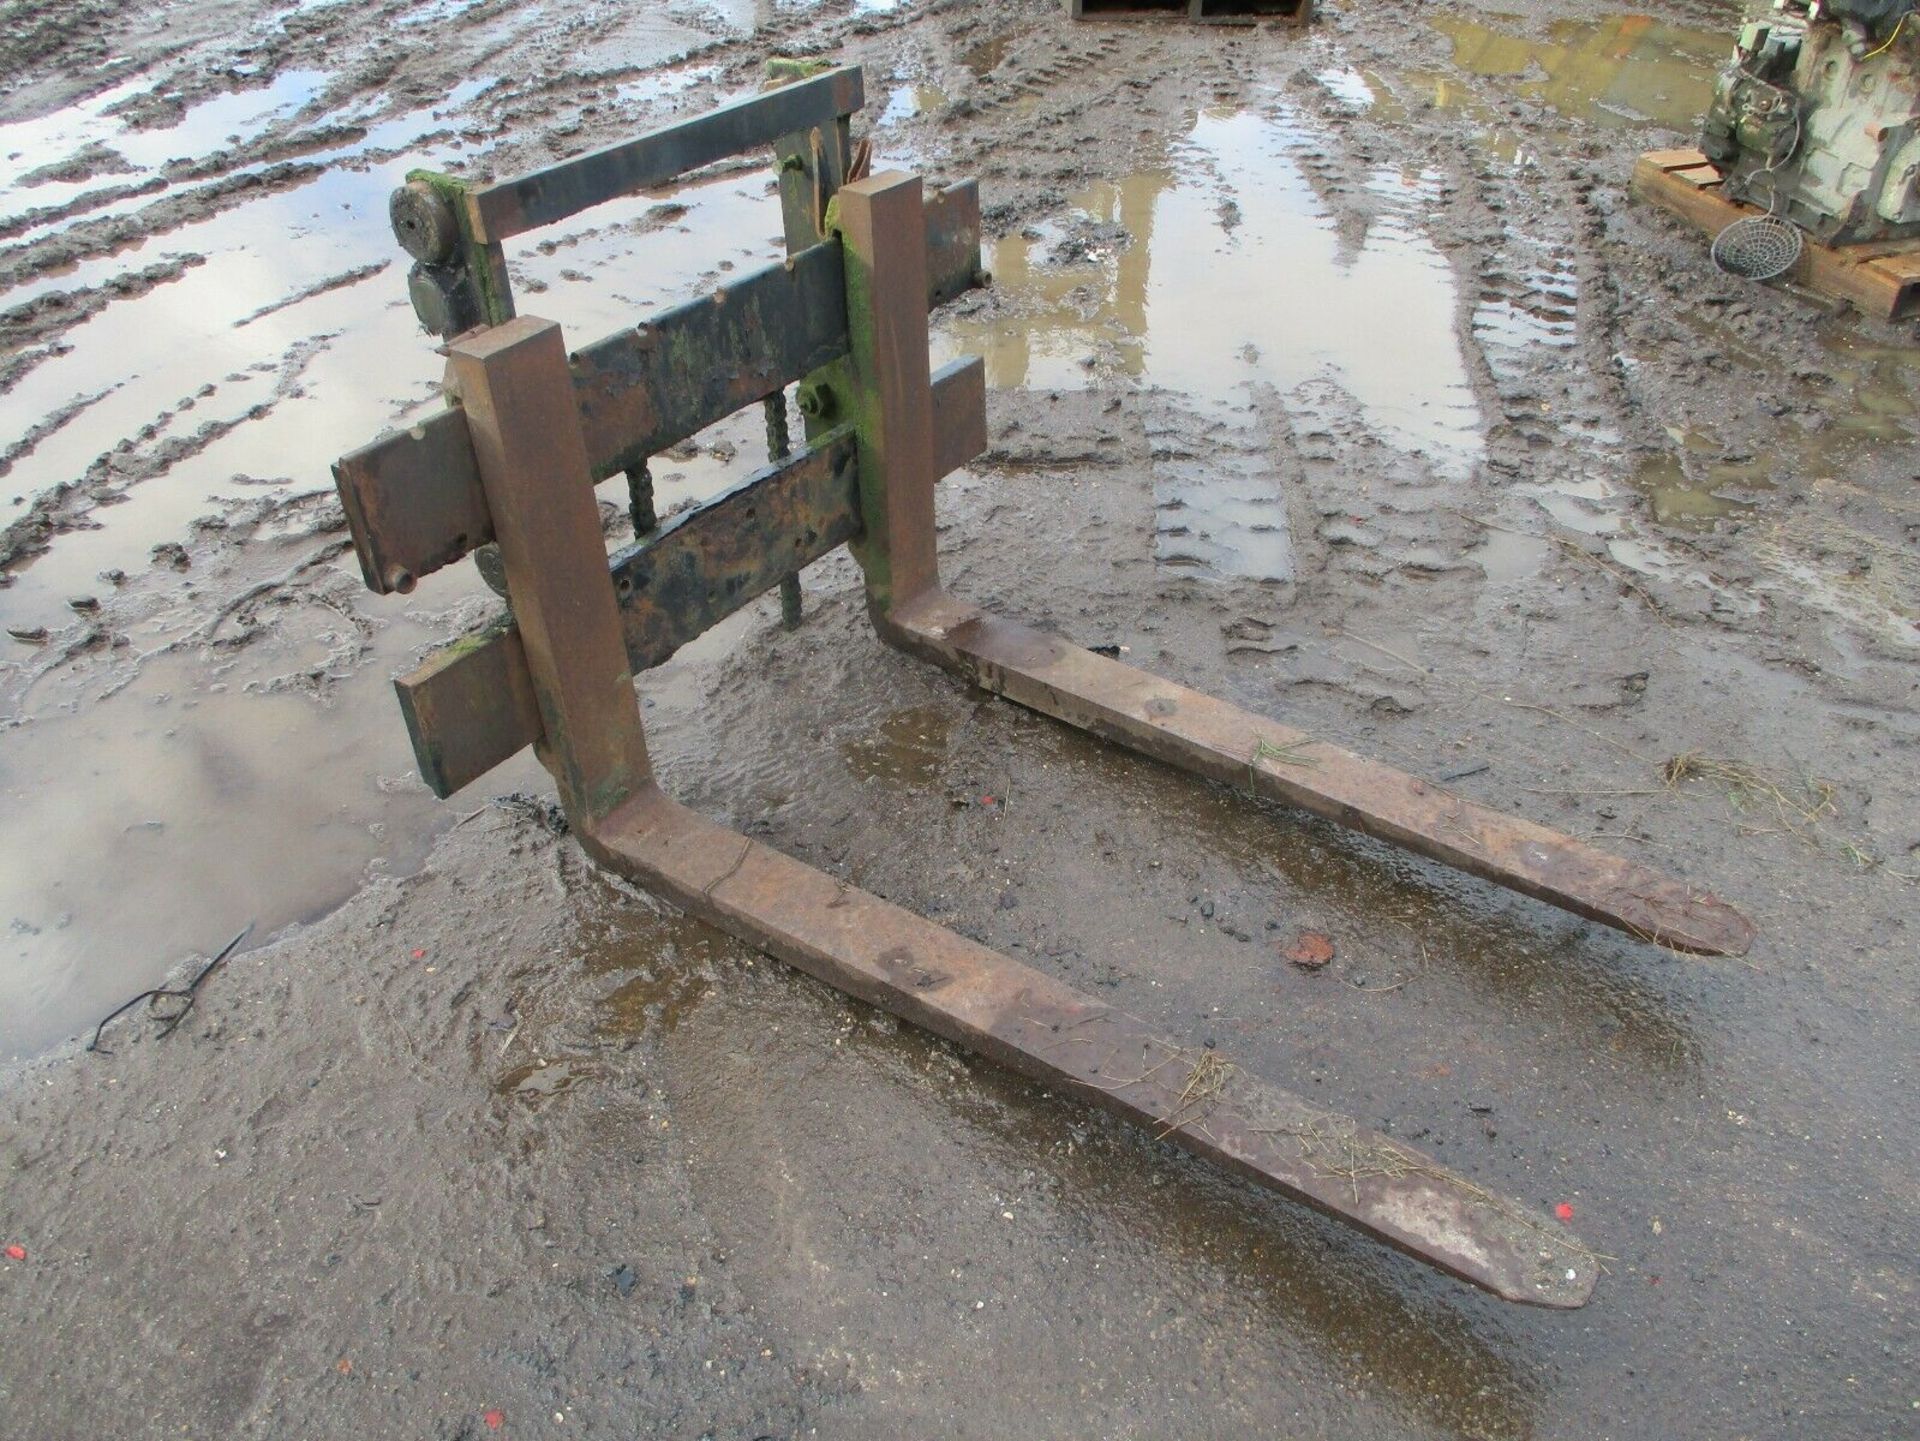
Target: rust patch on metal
686,576
555,192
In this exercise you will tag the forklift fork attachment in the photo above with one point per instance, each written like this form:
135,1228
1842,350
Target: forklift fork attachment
513,462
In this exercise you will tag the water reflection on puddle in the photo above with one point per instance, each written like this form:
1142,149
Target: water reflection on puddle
149,822
1229,278
1236,274
1684,501
158,821
221,121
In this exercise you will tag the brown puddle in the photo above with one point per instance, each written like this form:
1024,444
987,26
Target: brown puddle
1626,70
909,748
1700,480
534,1083
1677,499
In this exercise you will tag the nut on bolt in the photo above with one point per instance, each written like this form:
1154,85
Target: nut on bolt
818,402
423,222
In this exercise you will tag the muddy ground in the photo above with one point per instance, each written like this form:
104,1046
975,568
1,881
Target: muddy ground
1332,372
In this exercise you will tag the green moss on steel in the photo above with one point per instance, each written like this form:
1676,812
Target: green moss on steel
599,795
454,190
859,407
789,67
456,650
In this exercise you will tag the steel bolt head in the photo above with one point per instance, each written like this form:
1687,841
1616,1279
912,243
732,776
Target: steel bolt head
432,301
493,569
423,222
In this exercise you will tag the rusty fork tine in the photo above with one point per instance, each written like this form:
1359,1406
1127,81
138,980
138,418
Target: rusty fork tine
1225,743
1033,1024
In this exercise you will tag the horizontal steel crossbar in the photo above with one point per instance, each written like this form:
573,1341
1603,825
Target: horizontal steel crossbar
471,707
413,498
554,192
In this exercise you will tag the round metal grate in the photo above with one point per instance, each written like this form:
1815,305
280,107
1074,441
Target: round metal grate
1758,247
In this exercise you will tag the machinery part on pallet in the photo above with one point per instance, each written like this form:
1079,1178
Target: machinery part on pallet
1758,247
1816,119
1882,281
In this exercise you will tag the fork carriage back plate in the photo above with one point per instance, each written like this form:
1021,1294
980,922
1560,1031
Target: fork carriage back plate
512,461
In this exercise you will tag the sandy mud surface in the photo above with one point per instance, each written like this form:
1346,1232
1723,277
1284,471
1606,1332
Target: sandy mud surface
1332,372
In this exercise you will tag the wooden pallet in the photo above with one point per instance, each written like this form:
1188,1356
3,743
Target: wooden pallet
1881,280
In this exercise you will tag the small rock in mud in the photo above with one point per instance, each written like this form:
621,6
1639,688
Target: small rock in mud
1310,950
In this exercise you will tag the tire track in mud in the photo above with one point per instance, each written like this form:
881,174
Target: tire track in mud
92,239
1675,367
26,220
32,329
149,453
53,421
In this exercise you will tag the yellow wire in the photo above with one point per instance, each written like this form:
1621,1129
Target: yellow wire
1888,43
